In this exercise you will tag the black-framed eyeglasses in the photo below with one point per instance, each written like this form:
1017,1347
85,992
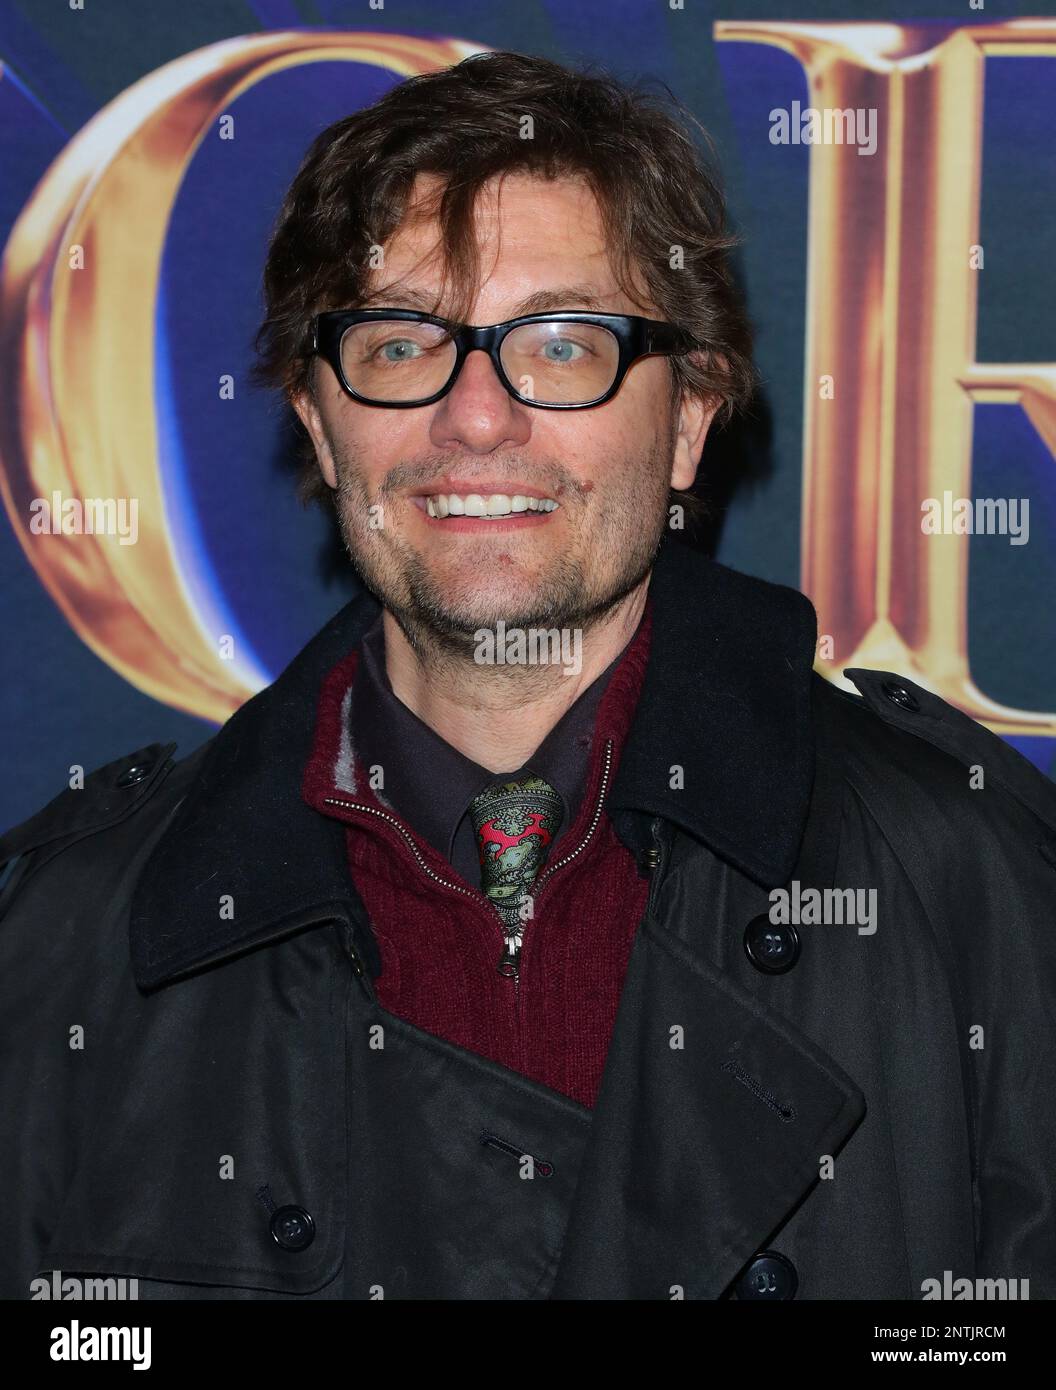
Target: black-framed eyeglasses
398,358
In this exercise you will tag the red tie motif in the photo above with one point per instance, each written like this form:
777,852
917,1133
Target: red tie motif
516,823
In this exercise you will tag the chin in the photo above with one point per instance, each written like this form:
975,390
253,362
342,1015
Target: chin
515,607
490,595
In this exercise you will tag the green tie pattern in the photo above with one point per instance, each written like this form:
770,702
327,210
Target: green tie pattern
516,822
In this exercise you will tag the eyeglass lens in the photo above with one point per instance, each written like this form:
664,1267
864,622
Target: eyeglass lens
552,363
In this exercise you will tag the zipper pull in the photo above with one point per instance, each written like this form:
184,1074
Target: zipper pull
509,962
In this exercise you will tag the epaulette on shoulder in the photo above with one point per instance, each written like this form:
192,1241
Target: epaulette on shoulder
109,794
905,705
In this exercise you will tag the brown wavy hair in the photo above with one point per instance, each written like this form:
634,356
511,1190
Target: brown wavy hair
661,206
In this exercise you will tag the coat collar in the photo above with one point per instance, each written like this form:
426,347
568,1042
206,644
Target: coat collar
726,698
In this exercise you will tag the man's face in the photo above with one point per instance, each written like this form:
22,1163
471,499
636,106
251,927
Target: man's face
607,468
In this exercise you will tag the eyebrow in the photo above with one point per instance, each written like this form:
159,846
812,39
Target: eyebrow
541,302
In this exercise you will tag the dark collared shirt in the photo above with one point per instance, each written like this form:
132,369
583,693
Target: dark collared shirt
430,784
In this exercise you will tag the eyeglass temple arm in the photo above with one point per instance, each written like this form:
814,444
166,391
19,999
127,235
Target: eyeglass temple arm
667,337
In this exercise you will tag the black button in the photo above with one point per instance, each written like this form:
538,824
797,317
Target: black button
899,695
135,774
769,1275
292,1228
772,947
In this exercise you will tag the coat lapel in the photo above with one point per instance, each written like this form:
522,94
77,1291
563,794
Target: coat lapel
697,1152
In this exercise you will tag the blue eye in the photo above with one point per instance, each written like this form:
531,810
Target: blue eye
563,345
398,343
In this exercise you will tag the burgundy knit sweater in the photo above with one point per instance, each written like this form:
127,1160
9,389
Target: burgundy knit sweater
441,940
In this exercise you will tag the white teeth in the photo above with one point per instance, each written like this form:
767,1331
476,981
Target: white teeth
494,504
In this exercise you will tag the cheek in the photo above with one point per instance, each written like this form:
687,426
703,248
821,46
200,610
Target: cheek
360,457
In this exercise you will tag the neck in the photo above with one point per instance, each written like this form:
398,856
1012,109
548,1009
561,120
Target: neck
459,698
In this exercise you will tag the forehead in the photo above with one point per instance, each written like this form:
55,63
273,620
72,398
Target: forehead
539,241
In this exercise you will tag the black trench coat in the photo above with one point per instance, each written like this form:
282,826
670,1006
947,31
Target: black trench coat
819,1113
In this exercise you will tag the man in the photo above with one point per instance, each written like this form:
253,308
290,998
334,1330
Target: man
631,961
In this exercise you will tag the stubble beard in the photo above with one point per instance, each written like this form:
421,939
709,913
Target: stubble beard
440,621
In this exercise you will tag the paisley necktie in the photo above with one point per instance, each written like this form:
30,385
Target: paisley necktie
516,823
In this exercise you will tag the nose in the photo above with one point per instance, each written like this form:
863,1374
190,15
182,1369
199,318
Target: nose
478,414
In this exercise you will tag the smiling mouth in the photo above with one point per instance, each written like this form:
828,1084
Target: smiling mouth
487,506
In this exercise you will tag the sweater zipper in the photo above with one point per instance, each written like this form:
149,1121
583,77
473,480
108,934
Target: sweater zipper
509,961
553,868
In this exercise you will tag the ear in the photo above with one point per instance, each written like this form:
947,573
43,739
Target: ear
694,420
306,406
